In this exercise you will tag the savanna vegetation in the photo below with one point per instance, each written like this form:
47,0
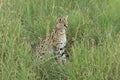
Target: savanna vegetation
93,39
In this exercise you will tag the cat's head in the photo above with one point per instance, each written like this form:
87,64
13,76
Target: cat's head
62,22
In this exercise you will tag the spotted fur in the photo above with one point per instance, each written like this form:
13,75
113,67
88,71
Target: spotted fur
55,43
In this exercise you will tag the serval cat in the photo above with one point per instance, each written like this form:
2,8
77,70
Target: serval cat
55,43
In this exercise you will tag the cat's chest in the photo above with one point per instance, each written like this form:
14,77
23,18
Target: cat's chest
63,41
60,38
63,44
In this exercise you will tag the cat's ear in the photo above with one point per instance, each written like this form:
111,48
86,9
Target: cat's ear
59,20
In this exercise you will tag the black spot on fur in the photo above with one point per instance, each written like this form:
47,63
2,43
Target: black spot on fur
43,53
61,48
62,54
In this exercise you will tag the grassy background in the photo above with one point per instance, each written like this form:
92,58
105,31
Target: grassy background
93,39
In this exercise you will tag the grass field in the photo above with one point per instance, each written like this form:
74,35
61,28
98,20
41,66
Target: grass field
93,39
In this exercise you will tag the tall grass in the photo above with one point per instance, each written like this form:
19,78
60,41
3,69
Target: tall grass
93,39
